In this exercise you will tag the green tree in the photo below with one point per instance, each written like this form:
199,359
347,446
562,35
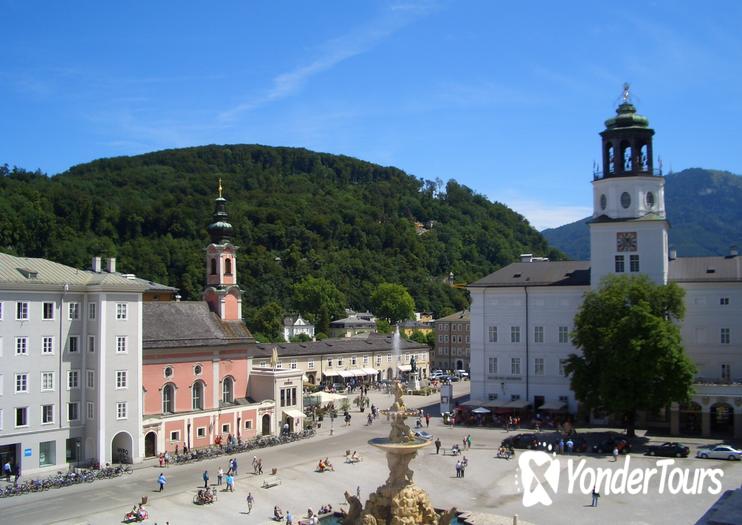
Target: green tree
383,326
632,357
392,302
319,300
268,321
301,338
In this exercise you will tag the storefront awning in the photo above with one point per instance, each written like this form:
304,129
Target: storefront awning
370,371
473,403
346,373
293,413
518,403
553,405
331,373
404,368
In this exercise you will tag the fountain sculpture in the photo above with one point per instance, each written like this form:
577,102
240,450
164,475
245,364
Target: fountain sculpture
398,501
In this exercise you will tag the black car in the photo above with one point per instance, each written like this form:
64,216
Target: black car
520,441
607,446
669,449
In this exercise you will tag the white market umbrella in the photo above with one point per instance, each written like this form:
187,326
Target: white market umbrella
326,397
480,410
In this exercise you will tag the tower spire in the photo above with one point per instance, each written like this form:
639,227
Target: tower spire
220,187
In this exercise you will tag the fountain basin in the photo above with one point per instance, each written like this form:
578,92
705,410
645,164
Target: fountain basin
394,447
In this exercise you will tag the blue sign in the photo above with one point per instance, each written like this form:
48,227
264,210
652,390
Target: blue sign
27,452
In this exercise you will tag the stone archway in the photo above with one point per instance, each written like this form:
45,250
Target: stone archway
150,444
690,418
722,419
121,446
389,374
266,424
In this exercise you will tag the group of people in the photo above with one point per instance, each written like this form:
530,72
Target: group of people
257,465
461,465
206,495
352,458
324,464
137,514
506,452
165,459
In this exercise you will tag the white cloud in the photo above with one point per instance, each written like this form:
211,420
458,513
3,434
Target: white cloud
542,216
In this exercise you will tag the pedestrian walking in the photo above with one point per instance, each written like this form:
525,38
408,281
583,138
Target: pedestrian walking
596,495
615,454
219,476
427,420
468,441
17,472
250,501
162,480
162,460
458,468
230,483
289,518
205,475
437,445
464,442
7,471
255,464
234,466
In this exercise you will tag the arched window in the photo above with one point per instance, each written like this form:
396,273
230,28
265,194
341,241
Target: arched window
228,266
627,156
228,390
643,158
213,266
197,395
168,399
611,156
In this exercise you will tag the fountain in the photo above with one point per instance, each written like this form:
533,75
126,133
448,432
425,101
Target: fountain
398,501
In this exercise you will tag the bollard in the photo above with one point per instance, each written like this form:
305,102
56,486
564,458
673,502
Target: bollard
515,519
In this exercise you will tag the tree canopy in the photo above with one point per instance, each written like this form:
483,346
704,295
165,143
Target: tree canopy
392,302
319,301
632,357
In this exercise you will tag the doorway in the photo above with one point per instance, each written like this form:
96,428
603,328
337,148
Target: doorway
266,424
150,445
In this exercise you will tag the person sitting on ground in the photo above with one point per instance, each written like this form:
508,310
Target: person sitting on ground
277,513
355,458
455,450
321,466
310,512
328,465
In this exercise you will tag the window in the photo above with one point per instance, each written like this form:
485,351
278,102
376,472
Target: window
263,364
279,364
619,263
121,341
175,435
47,453
121,311
73,411
440,338
168,399
228,390
365,360
47,381
197,396
378,360
91,343
213,266
201,432
725,336
225,428
538,368
340,362
633,263
329,363
227,266
21,346
563,367
248,424
121,379
73,345
310,364
564,334
90,378
74,311
515,366
92,307
493,334
726,372
47,414
389,358
293,364
445,338
288,396
197,370
538,334
353,360
21,383
21,417
91,410
47,311
73,379
21,311
493,365
515,334
122,410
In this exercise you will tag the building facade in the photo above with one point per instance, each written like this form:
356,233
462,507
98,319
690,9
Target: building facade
295,325
70,341
452,341
523,314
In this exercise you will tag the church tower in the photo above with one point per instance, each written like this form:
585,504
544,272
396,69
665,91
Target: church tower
222,293
628,229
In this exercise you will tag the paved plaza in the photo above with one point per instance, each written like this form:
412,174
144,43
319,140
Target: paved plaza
489,485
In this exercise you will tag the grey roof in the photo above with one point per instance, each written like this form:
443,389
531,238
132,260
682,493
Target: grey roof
185,324
541,273
291,320
340,345
706,269
28,272
462,316
352,321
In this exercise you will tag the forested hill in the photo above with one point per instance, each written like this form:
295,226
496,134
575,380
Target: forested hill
704,208
296,213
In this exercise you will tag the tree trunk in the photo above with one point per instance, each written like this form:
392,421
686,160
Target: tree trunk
631,425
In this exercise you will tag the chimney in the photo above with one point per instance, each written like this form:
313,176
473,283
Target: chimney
673,254
733,251
112,265
96,264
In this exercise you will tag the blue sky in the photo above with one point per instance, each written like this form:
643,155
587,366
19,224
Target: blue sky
505,97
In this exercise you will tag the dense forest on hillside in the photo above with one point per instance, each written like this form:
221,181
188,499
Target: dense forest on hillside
295,214
704,208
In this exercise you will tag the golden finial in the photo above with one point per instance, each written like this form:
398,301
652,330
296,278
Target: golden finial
626,92
220,187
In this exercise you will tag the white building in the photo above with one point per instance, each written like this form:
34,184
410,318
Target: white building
296,325
70,342
522,315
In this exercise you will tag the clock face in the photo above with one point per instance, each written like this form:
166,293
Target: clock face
626,242
603,201
650,199
625,200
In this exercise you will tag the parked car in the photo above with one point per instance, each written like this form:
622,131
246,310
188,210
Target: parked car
719,452
424,435
528,441
669,449
463,374
607,446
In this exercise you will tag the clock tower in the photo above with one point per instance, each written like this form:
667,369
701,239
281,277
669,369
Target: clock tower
628,229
